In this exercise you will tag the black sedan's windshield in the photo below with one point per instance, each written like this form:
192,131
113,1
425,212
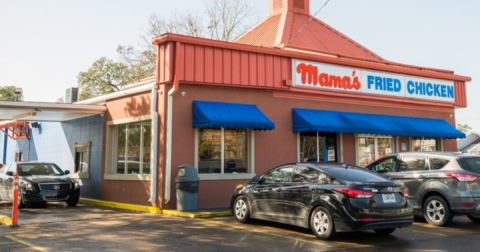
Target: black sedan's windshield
39,169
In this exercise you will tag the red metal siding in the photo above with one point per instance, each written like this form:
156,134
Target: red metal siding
460,94
211,65
189,63
253,68
261,70
227,66
217,64
164,66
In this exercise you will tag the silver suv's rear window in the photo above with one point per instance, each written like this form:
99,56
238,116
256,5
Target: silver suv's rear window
470,164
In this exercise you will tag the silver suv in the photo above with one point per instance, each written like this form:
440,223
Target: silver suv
441,184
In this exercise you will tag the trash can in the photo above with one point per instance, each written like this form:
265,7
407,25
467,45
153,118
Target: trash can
186,184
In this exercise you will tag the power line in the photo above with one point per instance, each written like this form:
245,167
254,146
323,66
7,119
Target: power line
301,29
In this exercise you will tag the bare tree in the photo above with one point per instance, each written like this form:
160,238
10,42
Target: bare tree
223,20
229,19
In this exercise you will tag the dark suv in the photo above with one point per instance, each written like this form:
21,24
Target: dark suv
441,184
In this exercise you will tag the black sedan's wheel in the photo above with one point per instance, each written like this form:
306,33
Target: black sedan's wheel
474,217
437,212
321,223
384,231
241,210
72,203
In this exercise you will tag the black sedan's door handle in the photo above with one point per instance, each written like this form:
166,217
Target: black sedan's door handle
277,189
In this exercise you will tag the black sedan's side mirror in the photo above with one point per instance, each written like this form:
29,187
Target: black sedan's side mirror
255,179
10,173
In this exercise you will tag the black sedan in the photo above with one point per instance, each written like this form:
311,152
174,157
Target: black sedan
325,197
39,183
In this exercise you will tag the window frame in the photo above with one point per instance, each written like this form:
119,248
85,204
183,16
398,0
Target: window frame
438,143
112,148
337,150
223,175
75,172
375,137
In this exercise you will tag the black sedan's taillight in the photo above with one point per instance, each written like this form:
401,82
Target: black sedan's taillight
354,193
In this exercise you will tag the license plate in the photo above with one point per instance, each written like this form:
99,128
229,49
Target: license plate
389,198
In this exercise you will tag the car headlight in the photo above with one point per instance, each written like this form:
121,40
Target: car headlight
27,186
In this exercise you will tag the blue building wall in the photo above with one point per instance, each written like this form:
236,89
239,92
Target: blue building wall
55,142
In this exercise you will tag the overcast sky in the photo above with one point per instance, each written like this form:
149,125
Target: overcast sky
45,44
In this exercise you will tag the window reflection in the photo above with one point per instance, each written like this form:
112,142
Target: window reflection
234,153
133,148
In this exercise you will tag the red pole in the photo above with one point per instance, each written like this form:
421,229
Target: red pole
15,202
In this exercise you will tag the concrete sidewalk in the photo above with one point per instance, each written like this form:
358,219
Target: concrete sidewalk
202,213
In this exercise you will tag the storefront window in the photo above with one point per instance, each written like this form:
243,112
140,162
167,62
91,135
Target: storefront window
366,150
317,147
133,148
371,148
223,151
422,144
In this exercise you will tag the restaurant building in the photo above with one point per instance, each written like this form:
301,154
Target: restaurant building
292,89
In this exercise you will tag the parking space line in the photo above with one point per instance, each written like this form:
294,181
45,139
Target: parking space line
424,232
33,246
317,242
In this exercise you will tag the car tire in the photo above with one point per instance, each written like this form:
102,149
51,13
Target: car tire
241,209
321,223
474,217
72,203
384,231
437,212
21,201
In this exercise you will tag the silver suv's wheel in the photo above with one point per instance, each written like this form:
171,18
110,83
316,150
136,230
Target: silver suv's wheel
241,210
436,211
321,223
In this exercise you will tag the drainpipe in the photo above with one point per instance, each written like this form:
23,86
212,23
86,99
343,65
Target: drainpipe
171,92
5,147
154,153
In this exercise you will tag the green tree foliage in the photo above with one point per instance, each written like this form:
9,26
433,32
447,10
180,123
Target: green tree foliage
104,76
7,93
464,128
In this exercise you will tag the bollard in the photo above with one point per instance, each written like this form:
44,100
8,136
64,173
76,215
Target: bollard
15,202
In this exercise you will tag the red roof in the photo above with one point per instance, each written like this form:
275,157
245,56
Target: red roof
304,32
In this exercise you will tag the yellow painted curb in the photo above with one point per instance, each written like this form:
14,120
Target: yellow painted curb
156,210
4,220
131,207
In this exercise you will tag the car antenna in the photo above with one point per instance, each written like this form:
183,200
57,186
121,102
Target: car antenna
345,166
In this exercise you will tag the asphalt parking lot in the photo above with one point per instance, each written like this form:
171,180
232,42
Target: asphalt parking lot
91,228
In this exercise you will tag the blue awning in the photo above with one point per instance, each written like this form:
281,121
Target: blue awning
229,115
356,123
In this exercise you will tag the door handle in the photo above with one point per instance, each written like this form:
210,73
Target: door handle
277,189
420,177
